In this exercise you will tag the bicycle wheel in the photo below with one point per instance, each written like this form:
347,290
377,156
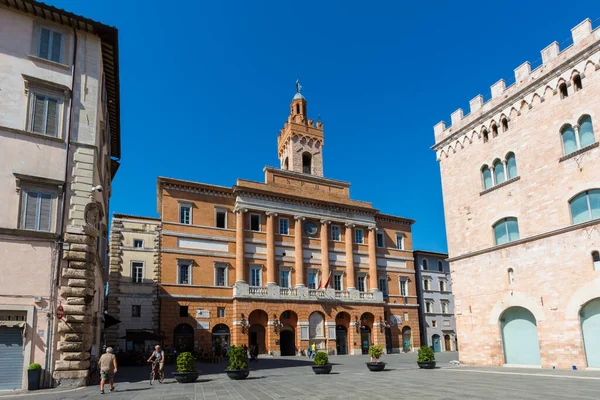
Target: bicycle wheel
151,377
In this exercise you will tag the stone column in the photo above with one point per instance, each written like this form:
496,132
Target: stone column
271,275
324,250
299,254
373,281
348,237
239,246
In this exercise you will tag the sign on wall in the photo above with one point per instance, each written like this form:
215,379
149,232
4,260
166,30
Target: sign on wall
396,320
202,325
202,313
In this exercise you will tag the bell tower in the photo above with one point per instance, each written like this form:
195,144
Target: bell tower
300,141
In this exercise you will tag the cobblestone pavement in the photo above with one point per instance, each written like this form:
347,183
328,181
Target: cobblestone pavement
292,378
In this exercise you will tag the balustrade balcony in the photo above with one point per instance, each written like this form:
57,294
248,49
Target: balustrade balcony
274,292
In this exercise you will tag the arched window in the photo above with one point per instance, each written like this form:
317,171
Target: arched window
506,230
297,108
440,266
306,163
286,164
485,135
494,130
424,265
577,82
511,165
499,175
568,138
596,260
585,206
562,89
486,175
586,131
511,276
504,122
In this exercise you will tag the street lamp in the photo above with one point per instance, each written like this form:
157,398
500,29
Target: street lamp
383,324
244,324
276,324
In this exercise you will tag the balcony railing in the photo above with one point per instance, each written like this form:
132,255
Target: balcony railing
274,292
342,294
288,292
316,293
257,290
366,295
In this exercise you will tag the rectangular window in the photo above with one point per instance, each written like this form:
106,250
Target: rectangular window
185,214
137,272
336,235
433,323
445,307
403,287
183,311
44,114
221,219
255,276
220,276
383,286
361,283
37,211
255,222
138,243
428,306
185,274
337,282
136,311
220,312
405,317
359,236
284,226
284,278
426,284
442,285
380,239
399,241
50,45
312,279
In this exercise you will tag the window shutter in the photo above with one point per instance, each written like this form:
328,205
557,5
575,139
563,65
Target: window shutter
30,212
51,119
44,45
45,212
38,114
56,46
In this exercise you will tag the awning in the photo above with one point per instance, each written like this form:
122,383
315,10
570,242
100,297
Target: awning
141,336
13,324
109,321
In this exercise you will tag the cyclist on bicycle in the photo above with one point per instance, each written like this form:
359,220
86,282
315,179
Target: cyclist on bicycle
159,358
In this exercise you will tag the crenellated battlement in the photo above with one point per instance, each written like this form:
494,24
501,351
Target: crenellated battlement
529,89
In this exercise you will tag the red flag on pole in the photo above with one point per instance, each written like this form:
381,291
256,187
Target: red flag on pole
327,283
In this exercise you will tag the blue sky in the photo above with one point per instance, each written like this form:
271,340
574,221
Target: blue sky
206,86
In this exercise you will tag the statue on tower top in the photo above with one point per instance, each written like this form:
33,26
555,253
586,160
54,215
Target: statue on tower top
298,86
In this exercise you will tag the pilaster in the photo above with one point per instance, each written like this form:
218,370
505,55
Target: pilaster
271,275
299,259
350,279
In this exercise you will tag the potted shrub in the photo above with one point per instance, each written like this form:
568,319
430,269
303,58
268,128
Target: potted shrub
426,358
322,365
238,363
34,372
186,369
375,353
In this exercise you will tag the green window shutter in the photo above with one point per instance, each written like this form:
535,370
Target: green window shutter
44,44
52,117
30,212
45,212
56,46
38,114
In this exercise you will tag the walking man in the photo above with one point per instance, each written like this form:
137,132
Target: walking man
108,368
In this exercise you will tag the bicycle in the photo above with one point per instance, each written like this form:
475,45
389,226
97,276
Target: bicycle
156,372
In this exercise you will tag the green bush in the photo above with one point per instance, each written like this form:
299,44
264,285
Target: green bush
321,358
34,366
426,354
376,351
185,362
238,358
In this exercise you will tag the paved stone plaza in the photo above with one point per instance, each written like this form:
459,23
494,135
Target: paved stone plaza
292,378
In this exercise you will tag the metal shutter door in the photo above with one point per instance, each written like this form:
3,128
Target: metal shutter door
11,358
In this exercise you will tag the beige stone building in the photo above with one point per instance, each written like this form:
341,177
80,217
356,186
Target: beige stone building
521,185
59,146
133,277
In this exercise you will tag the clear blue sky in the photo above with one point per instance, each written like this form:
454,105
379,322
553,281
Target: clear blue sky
206,86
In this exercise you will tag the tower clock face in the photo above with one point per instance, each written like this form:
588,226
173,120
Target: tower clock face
310,228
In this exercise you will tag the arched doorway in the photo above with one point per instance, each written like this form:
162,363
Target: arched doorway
258,321
366,324
316,330
287,341
435,343
388,340
220,338
406,339
447,343
520,337
342,320
183,338
590,329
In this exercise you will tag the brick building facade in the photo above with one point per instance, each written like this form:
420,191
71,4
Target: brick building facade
522,202
243,264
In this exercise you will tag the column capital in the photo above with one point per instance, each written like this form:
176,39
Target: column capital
325,222
299,218
271,214
350,225
576,128
372,227
240,210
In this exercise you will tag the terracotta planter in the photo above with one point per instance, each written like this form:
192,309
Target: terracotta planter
186,377
322,369
427,364
376,367
237,374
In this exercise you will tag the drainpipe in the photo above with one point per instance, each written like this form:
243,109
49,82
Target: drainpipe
55,268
